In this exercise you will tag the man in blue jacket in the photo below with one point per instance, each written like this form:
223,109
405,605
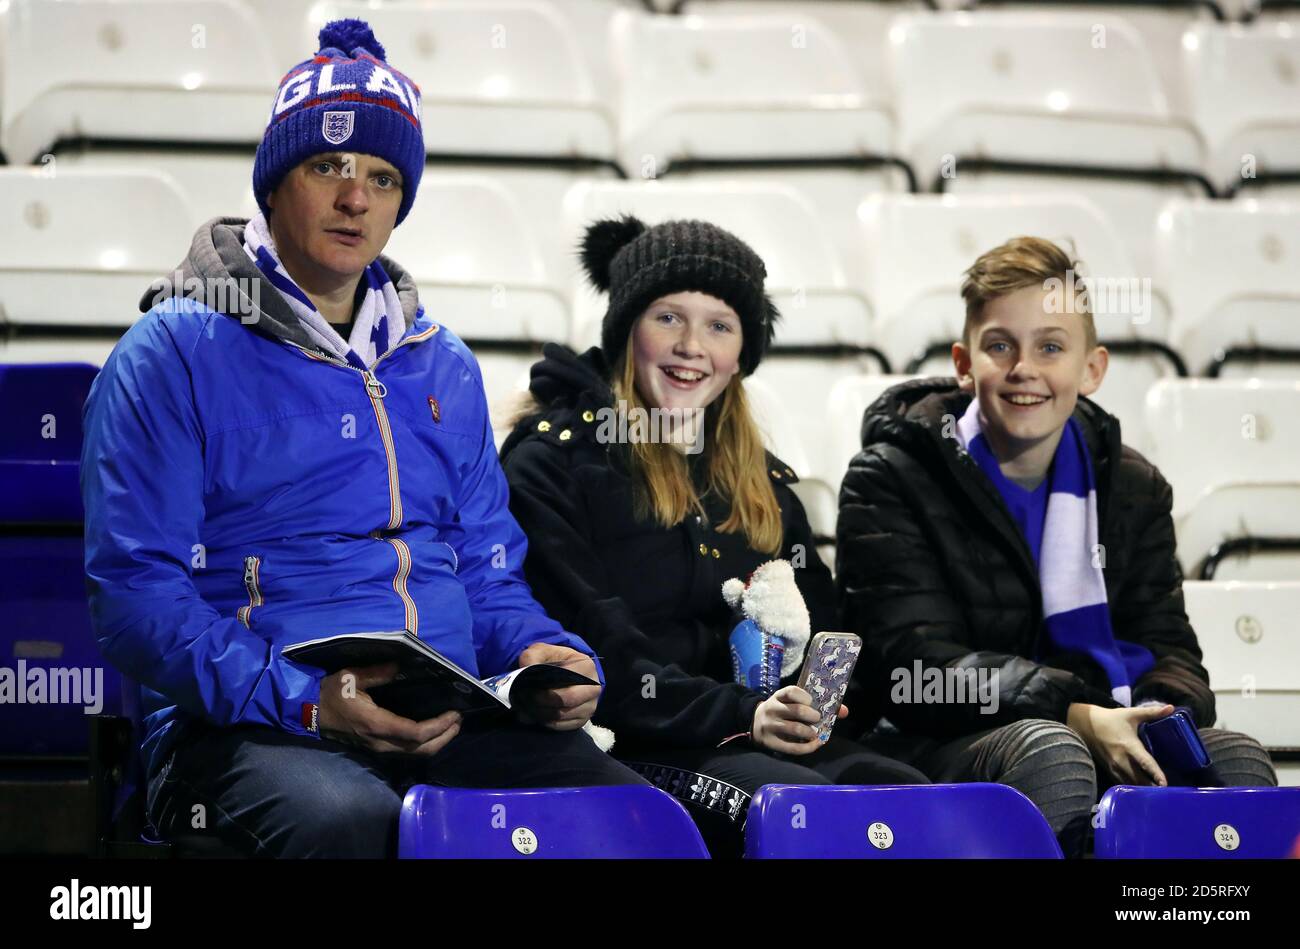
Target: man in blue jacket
287,447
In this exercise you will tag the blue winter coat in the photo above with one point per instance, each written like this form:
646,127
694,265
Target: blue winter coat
244,491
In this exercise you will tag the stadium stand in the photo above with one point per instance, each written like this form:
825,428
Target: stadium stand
1158,140
1247,632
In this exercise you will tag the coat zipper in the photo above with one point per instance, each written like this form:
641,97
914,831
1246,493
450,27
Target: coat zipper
252,583
377,391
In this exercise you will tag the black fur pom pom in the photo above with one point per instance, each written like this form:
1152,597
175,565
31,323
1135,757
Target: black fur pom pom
602,241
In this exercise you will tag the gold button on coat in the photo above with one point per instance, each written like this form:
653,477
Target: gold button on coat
565,435
543,426
588,416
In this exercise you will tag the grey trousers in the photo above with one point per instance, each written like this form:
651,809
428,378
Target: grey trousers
1050,764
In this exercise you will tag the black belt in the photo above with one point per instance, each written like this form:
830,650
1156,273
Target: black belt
696,789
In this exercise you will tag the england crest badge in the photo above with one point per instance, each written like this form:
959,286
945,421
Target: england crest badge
336,127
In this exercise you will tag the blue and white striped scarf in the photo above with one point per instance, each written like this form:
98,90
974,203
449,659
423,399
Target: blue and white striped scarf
378,323
1075,610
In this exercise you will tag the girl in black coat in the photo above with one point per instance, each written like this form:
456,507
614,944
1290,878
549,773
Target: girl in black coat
629,542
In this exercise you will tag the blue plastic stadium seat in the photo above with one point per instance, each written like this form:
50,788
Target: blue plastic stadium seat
896,822
1137,823
42,571
624,822
40,441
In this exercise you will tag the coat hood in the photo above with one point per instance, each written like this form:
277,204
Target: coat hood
218,273
563,384
914,414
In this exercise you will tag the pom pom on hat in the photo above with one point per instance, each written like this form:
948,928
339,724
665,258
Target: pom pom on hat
732,591
347,36
603,241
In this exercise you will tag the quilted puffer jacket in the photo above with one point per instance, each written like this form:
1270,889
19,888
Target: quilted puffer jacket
931,567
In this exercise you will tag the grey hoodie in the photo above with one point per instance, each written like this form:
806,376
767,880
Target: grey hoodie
218,273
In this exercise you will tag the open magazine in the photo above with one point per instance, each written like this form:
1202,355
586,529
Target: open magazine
427,682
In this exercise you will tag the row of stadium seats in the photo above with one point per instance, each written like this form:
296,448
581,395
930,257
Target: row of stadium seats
963,821
875,291
1190,101
1226,11
884,272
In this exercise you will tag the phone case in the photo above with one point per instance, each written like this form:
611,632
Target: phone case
1175,743
827,669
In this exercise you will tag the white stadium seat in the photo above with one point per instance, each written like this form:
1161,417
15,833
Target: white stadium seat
139,70
1247,632
1227,516
505,381
1207,433
833,192
479,269
214,183
732,88
1132,206
805,384
782,438
848,401
862,28
82,247
1232,273
1242,81
804,276
1161,26
496,77
1049,89
919,246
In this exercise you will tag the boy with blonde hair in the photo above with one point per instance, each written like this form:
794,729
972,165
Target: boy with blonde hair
994,526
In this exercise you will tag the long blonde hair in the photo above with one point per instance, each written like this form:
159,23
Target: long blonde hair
737,466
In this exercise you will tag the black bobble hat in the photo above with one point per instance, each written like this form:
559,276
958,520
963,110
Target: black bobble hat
637,264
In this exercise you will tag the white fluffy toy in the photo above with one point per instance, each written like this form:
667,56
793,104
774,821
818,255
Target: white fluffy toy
772,600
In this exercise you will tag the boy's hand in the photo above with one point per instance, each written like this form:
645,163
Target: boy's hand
1111,735
566,709
348,714
785,722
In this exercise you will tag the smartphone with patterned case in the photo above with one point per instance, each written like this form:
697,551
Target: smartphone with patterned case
827,669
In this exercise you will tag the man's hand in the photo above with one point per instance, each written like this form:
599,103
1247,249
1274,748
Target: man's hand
348,714
785,722
566,709
1111,735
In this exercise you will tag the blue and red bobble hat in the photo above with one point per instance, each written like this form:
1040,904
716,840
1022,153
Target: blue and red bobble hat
346,98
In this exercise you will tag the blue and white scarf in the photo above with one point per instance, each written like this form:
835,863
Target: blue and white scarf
1075,610
378,324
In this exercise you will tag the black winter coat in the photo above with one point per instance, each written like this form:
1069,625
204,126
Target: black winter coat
932,566
647,599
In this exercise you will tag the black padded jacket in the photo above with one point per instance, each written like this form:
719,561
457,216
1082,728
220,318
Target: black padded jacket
647,599
931,566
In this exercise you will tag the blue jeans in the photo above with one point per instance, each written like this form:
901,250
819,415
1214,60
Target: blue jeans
268,793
